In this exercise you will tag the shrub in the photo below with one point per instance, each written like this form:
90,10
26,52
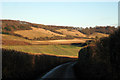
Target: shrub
100,60
23,66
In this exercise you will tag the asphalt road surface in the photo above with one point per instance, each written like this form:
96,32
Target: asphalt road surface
61,72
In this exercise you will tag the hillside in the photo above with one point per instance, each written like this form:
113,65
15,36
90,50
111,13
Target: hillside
9,26
33,31
15,40
98,29
99,35
74,33
37,33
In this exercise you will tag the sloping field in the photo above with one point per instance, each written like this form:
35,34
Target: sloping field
99,35
70,41
37,33
63,50
71,32
10,39
14,42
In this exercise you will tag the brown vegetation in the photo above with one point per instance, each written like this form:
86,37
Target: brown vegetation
9,26
99,35
32,31
100,61
67,42
99,29
36,33
23,66
70,32
14,42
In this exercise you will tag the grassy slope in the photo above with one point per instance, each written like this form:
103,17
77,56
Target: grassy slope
68,50
11,37
7,38
99,35
71,32
36,33
42,32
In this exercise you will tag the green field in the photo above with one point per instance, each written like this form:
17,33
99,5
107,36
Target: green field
68,50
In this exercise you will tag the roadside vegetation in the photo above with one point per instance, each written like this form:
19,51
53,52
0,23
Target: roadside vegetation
24,66
100,60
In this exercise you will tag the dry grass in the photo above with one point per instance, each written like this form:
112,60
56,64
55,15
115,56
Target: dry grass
14,42
17,39
36,33
71,32
11,37
70,41
99,35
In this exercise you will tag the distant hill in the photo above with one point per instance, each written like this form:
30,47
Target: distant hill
9,26
98,29
33,31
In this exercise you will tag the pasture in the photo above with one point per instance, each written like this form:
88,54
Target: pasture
36,33
8,39
71,32
64,50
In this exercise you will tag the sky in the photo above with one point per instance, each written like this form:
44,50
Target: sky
77,14
59,0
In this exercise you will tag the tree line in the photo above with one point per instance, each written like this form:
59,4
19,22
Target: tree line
100,29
